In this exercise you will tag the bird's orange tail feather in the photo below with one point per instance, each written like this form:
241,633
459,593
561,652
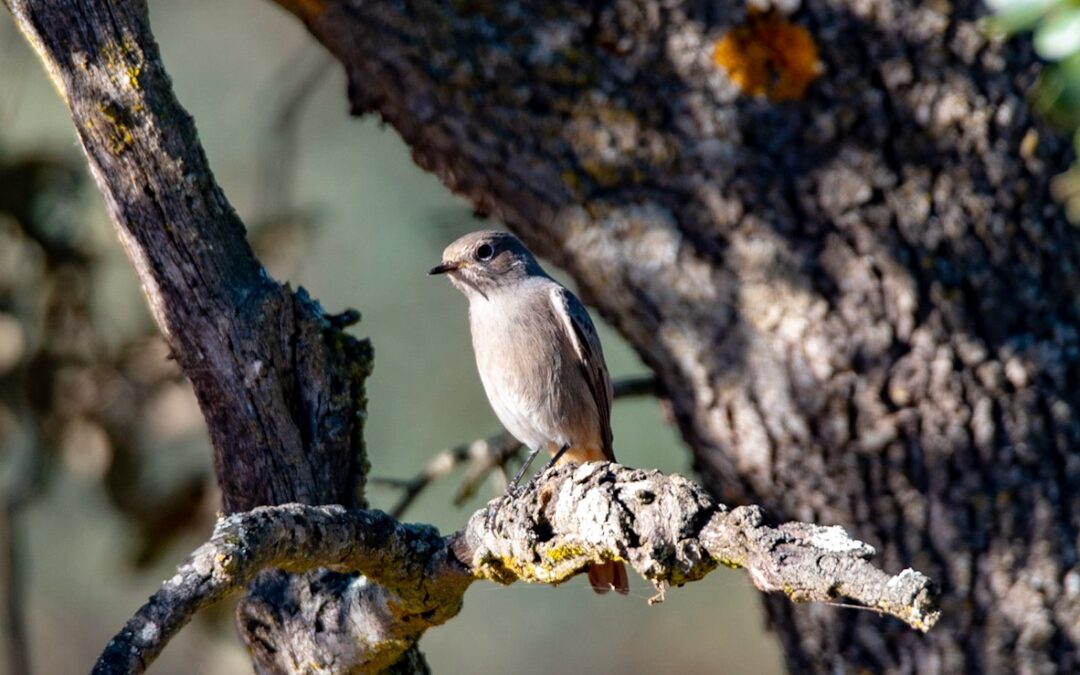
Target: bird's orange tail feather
605,576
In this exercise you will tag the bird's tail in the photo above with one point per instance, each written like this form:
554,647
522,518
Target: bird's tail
605,576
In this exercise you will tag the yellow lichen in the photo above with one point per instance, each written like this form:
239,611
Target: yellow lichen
769,56
125,59
119,135
133,72
558,554
225,561
502,569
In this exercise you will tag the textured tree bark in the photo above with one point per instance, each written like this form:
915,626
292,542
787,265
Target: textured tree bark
666,527
861,305
251,347
281,386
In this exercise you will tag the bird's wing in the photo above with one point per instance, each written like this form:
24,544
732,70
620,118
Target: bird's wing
582,333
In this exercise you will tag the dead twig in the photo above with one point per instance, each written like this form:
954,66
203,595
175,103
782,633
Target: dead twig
485,456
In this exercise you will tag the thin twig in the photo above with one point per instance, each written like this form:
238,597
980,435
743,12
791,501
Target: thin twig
486,456
276,179
478,453
636,385
502,450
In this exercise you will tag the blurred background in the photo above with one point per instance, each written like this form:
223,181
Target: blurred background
105,478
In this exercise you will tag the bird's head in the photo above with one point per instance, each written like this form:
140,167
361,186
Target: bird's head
482,263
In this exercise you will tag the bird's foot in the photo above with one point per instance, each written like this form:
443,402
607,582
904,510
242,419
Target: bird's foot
512,492
515,490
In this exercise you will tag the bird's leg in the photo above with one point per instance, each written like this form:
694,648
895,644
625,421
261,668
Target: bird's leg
513,487
512,490
556,457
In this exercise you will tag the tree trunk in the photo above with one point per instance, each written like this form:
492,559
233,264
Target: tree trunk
861,304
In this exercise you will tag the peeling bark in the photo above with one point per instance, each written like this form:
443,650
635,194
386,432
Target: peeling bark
861,305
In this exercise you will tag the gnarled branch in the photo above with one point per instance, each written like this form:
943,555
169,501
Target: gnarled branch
669,529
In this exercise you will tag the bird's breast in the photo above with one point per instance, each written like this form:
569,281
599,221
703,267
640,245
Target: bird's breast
527,366
514,348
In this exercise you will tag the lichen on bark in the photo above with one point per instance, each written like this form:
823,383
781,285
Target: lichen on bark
666,527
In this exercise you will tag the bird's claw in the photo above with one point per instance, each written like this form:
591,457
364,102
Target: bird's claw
515,489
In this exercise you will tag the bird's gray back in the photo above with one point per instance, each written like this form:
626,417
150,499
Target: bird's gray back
530,369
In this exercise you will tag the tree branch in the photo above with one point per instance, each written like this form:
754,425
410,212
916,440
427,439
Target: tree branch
280,385
412,560
665,526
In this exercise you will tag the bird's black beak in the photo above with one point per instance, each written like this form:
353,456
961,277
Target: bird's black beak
443,268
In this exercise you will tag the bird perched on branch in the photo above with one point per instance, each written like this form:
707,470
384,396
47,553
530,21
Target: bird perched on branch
539,358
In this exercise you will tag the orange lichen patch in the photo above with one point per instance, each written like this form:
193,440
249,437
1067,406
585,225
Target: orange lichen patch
769,56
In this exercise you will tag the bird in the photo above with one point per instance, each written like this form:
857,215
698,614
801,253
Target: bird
539,359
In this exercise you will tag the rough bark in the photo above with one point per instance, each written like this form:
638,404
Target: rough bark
666,527
281,386
251,347
861,305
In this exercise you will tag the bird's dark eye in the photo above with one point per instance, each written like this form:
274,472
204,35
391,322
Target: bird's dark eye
484,252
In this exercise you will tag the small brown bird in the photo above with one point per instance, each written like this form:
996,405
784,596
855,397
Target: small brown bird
539,358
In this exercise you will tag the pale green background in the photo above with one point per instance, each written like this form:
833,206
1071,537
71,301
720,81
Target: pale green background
382,223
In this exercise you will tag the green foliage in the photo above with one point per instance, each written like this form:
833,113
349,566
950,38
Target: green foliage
1055,28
